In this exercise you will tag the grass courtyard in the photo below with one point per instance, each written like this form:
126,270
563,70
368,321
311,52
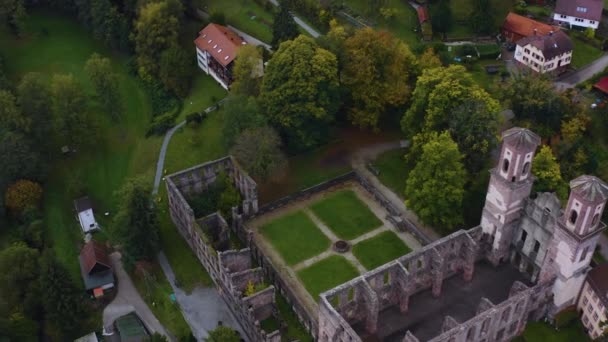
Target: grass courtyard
326,274
295,237
540,332
380,249
345,214
393,170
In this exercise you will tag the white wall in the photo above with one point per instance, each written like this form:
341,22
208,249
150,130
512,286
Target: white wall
576,21
593,310
542,65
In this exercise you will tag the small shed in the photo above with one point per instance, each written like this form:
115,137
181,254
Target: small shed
92,337
84,210
96,268
131,329
602,85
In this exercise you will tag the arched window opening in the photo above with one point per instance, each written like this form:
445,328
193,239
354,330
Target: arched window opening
573,216
505,165
526,167
596,218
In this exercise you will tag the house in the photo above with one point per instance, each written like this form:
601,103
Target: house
602,85
84,209
216,48
131,329
517,27
593,300
96,268
551,52
582,13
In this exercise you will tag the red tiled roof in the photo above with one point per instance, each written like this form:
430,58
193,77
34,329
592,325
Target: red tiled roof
525,26
94,254
220,42
602,85
551,45
586,9
423,14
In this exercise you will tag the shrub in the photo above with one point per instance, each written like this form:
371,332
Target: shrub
196,117
161,124
218,18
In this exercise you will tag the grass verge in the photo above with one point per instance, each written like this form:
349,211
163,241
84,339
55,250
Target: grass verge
326,274
380,249
393,170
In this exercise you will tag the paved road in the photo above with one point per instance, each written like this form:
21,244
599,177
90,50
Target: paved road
203,308
161,156
128,300
306,27
583,74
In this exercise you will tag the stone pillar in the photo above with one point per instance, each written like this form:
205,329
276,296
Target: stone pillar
404,302
438,272
371,299
469,258
402,279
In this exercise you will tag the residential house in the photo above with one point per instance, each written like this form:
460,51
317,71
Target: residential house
582,13
84,210
593,300
517,27
96,268
545,53
216,48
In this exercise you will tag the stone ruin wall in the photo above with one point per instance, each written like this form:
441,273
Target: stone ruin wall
361,299
230,270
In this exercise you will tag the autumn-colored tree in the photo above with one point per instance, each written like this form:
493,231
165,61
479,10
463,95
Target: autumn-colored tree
22,194
548,174
377,71
435,187
429,59
248,70
572,130
299,92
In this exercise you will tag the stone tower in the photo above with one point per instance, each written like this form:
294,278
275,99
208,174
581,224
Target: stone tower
510,184
574,239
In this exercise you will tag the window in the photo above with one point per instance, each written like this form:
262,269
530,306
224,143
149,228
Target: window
563,16
595,316
536,246
591,22
595,298
526,167
585,301
505,165
581,9
524,235
596,218
585,320
583,256
573,216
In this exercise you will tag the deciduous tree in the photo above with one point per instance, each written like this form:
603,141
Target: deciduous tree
105,82
12,12
19,271
441,16
240,113
482,17
247,72
435,187
258,150
34,99
72,122
429,60
10,115
548,174
176,70
377,71
223,334
22,194
283,27
299,92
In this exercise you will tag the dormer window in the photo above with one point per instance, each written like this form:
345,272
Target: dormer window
581,9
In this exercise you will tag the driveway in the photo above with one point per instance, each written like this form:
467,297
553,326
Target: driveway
128,300
570,80
203,308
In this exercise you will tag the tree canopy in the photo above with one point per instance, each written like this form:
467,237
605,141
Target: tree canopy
247,72
435,187
258,150
105,82
441,16
482,17
34,99
548,174
223,334
299,91
69,103
284,28
377,69
240,113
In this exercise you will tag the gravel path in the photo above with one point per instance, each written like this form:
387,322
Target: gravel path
161,156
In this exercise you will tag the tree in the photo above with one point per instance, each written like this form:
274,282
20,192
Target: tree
429,60
72,121
482,17
474,128
247,72
435,187
438,92
63,306
377,71
21,195
240,113
106,22
299,92
223,334
155,30
34,99
10,115
105,82
283,27
136,222
548,174
441,16
573,130
258,150
19,272
176,70
12,12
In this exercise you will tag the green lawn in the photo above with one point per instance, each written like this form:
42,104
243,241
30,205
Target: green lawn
154,288
380,249
540,332
346,215
245,15
295,237
393,170
295,329
584,53
326,274
205,93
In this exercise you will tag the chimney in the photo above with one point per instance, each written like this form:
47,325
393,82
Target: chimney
535,31
551,33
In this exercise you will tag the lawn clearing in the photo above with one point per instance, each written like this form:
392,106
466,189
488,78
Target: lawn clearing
584,53
393,170
295,237
346,215
326,274
245,15
380,249
205,92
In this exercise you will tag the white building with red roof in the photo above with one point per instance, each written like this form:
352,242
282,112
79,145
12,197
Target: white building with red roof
582,13
216,48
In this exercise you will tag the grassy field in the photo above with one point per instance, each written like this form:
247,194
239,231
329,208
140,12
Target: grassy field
245,15
540,332
380,249
346,215
393,170
326,274
295,237
584,53
205,93
154,288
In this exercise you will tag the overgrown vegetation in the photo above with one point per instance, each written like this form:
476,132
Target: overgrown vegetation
221,195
